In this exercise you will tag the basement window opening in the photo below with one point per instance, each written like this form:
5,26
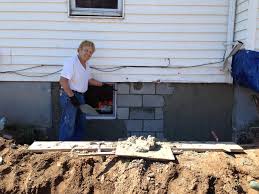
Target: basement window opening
102,100
105,8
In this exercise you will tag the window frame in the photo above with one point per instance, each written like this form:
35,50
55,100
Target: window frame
95,12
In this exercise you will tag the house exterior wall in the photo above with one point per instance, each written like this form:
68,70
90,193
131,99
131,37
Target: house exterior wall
245,115
156,36
164,110
153,35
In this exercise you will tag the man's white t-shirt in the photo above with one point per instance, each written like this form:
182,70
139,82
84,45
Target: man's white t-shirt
76,74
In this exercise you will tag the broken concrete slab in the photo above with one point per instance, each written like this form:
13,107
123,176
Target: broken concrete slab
142,147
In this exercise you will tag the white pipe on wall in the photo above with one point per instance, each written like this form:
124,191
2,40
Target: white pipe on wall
230,34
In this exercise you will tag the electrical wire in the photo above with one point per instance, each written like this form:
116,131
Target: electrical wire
109,69
12,71
106,69
205,64
45,75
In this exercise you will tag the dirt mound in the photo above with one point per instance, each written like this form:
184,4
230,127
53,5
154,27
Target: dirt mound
216,172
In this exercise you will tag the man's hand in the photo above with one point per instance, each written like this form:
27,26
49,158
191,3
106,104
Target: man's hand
74,101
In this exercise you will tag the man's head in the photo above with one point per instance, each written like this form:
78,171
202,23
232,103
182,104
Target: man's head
85,50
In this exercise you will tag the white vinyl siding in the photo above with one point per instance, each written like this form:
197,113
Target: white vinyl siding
246,24
153,34
241,23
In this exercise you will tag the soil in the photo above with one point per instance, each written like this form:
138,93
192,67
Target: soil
55,172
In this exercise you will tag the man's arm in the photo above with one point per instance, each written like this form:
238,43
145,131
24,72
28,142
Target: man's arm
64,83
94,82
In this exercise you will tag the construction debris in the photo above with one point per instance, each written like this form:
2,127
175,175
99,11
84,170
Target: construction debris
67,146
144,148
179,147
141,144
134,147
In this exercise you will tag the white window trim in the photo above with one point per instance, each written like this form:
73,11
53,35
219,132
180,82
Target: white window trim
95,12
107,117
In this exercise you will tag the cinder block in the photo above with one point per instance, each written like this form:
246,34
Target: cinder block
153,101
129,100
159,113
123,88
142,88
153,125
142,113
133,125
123,113
164,88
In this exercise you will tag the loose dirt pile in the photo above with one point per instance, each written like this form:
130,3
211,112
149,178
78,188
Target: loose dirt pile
211,172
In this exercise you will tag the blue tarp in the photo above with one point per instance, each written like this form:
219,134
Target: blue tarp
245,69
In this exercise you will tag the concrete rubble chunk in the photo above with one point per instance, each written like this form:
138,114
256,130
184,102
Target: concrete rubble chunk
142,144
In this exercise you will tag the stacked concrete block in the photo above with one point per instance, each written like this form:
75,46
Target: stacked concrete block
142,113
122,113
164,88
140,105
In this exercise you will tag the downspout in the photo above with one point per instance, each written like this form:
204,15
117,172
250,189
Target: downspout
230,38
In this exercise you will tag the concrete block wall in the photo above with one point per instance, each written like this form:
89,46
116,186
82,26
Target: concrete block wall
26,103
245,117
140,106
177,112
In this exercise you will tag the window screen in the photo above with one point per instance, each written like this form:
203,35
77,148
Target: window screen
102,8
105,4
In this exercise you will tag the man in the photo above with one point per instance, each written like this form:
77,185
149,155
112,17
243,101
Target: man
74,80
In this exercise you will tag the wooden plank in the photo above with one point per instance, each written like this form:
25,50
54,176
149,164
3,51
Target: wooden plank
102,148
208,146
163,153
67,146
97,154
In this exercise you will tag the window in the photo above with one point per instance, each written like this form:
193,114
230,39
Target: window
110,8
103,100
